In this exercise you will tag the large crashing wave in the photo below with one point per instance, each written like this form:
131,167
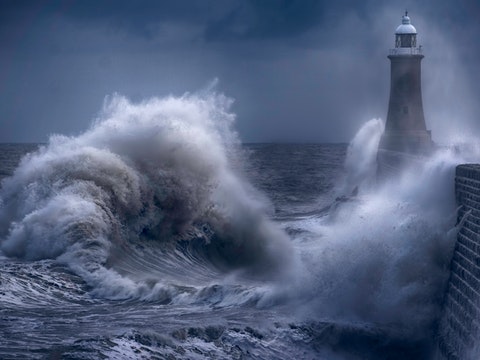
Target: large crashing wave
382,255
156,171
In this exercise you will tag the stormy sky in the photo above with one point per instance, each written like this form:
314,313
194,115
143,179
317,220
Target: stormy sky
299,70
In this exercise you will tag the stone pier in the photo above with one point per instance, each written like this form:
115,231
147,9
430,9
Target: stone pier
458,335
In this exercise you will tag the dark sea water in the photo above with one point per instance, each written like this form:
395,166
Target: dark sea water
156,235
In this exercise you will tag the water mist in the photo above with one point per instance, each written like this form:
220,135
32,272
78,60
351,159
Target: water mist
380,256
156,171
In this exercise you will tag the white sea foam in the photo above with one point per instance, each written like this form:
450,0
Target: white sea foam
153,171
159,171
361,161
382,256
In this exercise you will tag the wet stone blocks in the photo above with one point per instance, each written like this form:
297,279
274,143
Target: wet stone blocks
459,329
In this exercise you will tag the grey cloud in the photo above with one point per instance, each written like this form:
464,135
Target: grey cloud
266,19
298,70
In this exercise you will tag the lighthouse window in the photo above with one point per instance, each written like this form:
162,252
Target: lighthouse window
405,109
406,41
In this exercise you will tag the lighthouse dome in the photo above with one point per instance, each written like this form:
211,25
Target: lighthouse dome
406,27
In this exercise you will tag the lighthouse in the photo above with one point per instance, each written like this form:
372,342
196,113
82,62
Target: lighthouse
405,129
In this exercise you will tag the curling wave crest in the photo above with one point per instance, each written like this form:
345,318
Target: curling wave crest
145,178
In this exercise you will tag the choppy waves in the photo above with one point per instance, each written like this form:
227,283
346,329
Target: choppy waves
382,254
151,208
143,204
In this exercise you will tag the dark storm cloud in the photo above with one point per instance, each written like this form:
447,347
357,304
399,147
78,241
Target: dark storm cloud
139,17
299,70
135,17
222,20
266,19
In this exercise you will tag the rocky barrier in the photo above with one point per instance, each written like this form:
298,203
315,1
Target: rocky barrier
458,334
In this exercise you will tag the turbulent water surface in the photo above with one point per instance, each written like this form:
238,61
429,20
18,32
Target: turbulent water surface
156,234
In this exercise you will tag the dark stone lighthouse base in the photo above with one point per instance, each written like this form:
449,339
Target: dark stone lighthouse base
411,142
400,150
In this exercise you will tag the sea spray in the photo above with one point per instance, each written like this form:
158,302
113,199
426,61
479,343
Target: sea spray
381,256
341,302
361,161
157,171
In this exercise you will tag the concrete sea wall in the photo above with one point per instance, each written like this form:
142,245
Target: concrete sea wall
458,335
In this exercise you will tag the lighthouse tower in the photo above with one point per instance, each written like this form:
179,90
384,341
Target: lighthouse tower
405,129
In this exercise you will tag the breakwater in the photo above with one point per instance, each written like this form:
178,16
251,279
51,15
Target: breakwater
458,334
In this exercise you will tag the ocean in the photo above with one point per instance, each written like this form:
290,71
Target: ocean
157,234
